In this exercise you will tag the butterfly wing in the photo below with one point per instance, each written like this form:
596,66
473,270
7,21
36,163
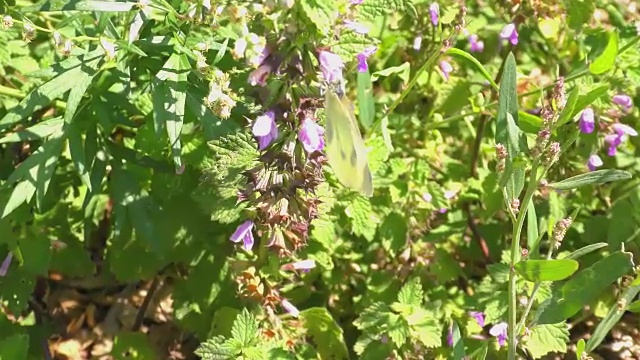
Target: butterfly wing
345,148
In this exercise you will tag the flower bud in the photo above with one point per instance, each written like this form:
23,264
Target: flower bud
559,231
28,32
7,22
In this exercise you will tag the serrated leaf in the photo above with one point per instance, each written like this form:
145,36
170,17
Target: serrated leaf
362,218
398,330
326,333
546,270
373,8
547,338
591,178
245,328
320,13
411,293
605,61
215,349
585,287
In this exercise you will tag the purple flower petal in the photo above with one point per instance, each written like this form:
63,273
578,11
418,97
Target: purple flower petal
500,332
434,11
446,69
259,76
450,336
356,27
587,121
478,316
5,264
265,129
288,307
362,58
475,45
311,136
243,233
624,101
331,66
623,129
510,33
594,162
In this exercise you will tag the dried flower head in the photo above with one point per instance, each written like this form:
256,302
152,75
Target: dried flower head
559,231
7,22
28,32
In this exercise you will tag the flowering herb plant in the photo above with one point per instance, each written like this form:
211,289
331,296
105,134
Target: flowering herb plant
303,179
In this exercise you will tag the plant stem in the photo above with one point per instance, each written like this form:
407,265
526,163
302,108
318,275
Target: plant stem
515,257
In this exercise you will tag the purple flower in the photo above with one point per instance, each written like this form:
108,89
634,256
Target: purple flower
5,264
259,75
356,2
356,27
265,129
243,232
362,58
500,332
331,66
614,140
261,56
288,307
587,122
510,33
475,45
479,316
434,11
624,101
427,197
446,69
594,162
311,136
450,336
623,129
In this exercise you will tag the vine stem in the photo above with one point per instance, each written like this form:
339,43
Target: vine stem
515,257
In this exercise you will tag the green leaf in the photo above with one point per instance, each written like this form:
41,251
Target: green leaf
40,130
393,232
245,328
46,93
529,123
14,347
411,293
532,227
403,71
567,112
580,349
215,348
132,345
326,333
634,307
461,54
507,131
585,250
319,13
458,345
591,178
580,12
584,287
613,317
169,97
34,175
481,352
376,8
546,270
361,213
87,5
588,98
366,106
547,338
605,61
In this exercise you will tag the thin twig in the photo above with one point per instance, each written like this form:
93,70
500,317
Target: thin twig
145,303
